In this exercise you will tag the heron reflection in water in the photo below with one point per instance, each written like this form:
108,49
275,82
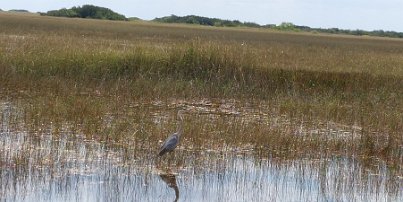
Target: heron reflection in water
173,140
170,180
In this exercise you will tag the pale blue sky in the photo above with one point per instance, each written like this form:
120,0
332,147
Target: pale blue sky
347,14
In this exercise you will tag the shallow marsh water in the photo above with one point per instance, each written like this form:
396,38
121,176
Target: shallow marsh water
42,163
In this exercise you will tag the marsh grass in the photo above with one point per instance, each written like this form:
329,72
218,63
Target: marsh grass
98,77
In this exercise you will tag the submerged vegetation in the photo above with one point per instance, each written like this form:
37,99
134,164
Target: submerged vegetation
275,93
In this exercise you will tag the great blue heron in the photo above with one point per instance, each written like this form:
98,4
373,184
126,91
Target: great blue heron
173,140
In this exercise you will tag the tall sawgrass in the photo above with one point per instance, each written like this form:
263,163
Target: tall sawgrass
79,70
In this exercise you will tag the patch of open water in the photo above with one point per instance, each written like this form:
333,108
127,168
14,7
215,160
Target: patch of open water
41,166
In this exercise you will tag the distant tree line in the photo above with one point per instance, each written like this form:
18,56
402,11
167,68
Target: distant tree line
96,12
357,32
133,18
286,26
87,11
199,20
18,10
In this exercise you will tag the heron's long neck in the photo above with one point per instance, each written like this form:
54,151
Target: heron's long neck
179,128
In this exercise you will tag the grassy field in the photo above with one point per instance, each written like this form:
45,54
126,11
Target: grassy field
77,70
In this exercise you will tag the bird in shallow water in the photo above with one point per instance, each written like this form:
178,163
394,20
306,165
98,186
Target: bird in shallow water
173,140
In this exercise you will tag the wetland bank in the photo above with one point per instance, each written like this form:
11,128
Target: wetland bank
85,105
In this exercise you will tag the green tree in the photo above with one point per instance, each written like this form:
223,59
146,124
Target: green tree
87,11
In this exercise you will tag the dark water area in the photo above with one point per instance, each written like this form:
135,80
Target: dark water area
39,165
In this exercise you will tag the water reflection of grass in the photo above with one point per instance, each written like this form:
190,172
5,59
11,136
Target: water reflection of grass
73,167
99,78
